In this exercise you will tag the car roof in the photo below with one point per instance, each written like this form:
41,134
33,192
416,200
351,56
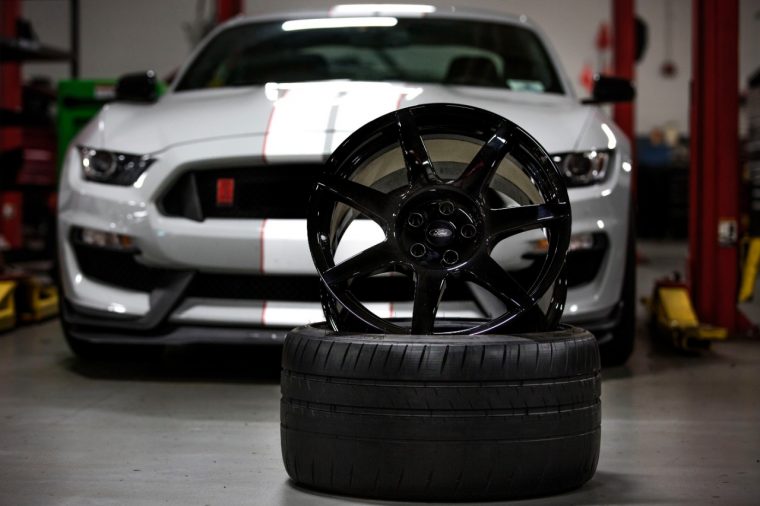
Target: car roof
396,10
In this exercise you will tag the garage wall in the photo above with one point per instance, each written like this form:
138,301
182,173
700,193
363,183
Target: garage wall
666,99
117,36
121,36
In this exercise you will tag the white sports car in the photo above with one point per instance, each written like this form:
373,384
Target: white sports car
182,219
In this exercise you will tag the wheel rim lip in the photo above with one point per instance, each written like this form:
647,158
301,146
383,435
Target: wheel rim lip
342,163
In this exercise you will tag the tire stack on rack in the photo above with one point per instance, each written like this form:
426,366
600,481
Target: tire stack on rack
434,407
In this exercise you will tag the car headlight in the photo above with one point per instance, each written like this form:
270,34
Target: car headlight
584,168
111,167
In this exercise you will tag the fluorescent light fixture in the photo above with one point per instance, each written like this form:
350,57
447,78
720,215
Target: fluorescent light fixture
321,23
382,9
611,140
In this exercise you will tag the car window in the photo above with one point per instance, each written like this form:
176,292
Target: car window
445,51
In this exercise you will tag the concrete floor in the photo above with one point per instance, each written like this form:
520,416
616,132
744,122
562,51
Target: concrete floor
201,427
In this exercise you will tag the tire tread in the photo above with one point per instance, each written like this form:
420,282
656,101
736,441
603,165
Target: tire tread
431,418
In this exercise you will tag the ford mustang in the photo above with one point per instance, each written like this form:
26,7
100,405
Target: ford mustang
182,218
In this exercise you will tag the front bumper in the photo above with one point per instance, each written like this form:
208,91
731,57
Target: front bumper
102,328
175,252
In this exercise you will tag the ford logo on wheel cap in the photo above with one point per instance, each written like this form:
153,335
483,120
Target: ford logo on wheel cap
440,233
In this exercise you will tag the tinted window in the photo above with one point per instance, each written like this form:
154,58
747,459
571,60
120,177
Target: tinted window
414,50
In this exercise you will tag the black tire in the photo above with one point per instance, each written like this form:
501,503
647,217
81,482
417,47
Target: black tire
618,349
440,417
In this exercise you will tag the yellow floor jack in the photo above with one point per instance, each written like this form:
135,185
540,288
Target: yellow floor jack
672,317
37,299
26,298
27,293
749,303
7,305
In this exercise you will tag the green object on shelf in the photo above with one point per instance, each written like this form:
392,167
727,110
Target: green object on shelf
79,100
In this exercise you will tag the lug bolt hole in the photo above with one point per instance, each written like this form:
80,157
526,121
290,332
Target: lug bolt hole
417,250
468,231
450,257
415,220
446,208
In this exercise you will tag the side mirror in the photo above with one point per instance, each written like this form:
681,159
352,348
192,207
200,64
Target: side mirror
610,89
138,87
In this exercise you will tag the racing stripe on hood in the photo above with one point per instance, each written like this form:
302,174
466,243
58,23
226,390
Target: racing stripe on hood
330,130
296,129
363,103
309,120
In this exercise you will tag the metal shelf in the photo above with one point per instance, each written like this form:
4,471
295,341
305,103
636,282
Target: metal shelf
23,50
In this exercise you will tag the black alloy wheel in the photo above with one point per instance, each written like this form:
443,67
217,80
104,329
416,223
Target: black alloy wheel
442,219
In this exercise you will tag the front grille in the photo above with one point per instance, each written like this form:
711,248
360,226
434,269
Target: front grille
267,191
305,288
254,287
297,288
122,270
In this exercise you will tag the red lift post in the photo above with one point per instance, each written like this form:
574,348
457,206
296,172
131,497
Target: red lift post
10,76
624,54
226,9
714,172
11,202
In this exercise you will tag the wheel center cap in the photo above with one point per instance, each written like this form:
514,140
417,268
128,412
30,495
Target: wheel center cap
440,233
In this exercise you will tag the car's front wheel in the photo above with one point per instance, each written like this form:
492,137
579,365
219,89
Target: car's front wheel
618,349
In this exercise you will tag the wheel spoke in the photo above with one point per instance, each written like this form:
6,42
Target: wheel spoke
513,220
370,261
371,202
427,294
419,167
491,276
478,174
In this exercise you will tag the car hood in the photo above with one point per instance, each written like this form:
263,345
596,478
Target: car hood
308,120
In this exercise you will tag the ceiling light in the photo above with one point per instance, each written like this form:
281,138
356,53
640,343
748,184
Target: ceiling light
321,23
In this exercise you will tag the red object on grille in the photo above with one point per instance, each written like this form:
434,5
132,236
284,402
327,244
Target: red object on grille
225,191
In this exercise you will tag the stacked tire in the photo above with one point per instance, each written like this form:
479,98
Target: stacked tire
474,417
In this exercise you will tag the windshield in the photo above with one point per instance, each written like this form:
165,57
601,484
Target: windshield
424,50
